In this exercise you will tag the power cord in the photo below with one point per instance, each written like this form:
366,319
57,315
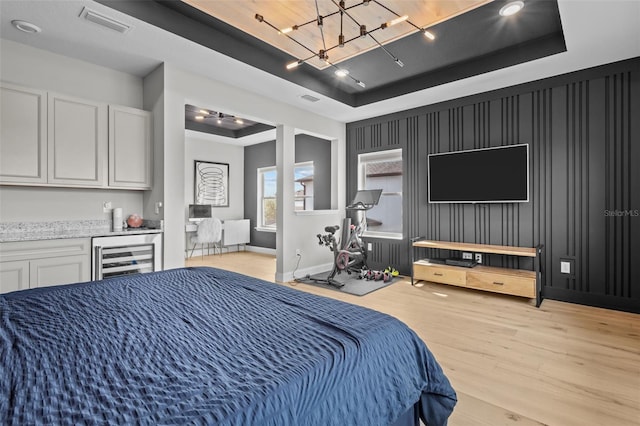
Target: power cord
296,280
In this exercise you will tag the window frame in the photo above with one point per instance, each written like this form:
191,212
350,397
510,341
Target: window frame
380,156
261,171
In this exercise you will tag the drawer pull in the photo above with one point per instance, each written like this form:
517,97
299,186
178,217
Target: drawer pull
437,274
498,283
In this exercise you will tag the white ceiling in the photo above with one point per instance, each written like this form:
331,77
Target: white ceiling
596,32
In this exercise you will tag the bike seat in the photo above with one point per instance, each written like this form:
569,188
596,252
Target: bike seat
331,229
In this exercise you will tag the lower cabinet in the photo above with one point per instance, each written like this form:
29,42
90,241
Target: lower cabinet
31,264
14,275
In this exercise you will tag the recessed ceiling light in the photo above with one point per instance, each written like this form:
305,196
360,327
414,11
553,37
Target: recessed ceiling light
26,27
341,72
511,8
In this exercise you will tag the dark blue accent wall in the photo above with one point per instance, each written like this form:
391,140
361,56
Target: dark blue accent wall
583,130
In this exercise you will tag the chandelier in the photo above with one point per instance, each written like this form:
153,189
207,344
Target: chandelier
341,40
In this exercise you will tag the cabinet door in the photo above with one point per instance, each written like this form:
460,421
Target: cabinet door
130,154
77,141
59,270
14,275
23,135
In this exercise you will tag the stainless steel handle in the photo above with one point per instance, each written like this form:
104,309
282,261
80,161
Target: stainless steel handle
98,263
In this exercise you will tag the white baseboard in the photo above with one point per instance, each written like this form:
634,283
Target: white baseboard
301,273
262,250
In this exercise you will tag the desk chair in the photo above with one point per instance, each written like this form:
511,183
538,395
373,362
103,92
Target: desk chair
209,232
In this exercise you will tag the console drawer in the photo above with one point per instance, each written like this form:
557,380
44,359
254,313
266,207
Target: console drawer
439,274
499,283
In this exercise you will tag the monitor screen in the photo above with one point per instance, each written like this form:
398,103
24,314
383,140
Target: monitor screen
199,211
488,175
369,197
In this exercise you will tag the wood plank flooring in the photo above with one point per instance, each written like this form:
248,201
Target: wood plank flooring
510,362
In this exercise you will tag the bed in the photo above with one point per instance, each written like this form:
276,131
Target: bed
208,346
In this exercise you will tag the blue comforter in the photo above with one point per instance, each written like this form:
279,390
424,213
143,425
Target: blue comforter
206,346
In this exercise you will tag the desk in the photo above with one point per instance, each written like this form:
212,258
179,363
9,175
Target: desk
235,232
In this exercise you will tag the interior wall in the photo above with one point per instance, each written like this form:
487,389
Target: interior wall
27,66
255,157
205,147
582,130
307,148
184,87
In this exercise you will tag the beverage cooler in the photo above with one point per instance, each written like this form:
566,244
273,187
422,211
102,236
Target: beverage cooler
126,255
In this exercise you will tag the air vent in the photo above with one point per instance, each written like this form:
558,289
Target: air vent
105,21
310,98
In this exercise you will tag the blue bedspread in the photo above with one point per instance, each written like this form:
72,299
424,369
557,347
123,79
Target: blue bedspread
206,346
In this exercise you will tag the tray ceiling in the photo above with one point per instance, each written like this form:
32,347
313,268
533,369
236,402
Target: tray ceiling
287,14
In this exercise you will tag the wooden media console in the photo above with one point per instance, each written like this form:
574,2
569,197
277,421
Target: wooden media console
517,282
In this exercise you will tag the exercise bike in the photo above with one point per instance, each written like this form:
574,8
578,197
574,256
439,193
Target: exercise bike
350,253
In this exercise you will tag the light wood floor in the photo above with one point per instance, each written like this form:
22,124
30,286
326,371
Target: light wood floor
509,362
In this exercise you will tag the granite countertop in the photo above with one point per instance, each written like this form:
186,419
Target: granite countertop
33,231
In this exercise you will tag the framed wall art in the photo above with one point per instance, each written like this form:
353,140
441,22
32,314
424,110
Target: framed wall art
211,183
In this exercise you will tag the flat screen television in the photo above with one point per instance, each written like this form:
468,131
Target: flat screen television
487,175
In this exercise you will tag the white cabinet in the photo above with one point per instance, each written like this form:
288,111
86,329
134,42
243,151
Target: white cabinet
236,232
14,275
130,155
31,264
23,135
59,270
50,139
77,134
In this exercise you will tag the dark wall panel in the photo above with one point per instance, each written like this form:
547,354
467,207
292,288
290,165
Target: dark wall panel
584,154
308,148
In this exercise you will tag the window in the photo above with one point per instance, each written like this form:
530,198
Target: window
303,186
383,170
267,180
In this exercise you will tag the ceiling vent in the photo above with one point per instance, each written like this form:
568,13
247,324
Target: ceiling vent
105,21
310,98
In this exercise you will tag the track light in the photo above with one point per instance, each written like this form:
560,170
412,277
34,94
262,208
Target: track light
238,121
204,111
428,34
199,117
394,21
343,12
288,29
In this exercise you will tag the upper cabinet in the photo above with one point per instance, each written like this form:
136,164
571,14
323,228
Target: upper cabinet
49,139
129,147
77,141
23,135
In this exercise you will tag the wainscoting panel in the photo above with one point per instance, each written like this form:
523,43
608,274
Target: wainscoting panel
584,192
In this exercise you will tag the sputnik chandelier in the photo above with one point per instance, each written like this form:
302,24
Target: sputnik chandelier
342,11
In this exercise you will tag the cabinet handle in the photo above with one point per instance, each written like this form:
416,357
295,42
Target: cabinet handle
498,283
437,274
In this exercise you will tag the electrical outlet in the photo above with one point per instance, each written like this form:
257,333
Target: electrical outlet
479,257
107,207
466,255
369,246
298,252
565,267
